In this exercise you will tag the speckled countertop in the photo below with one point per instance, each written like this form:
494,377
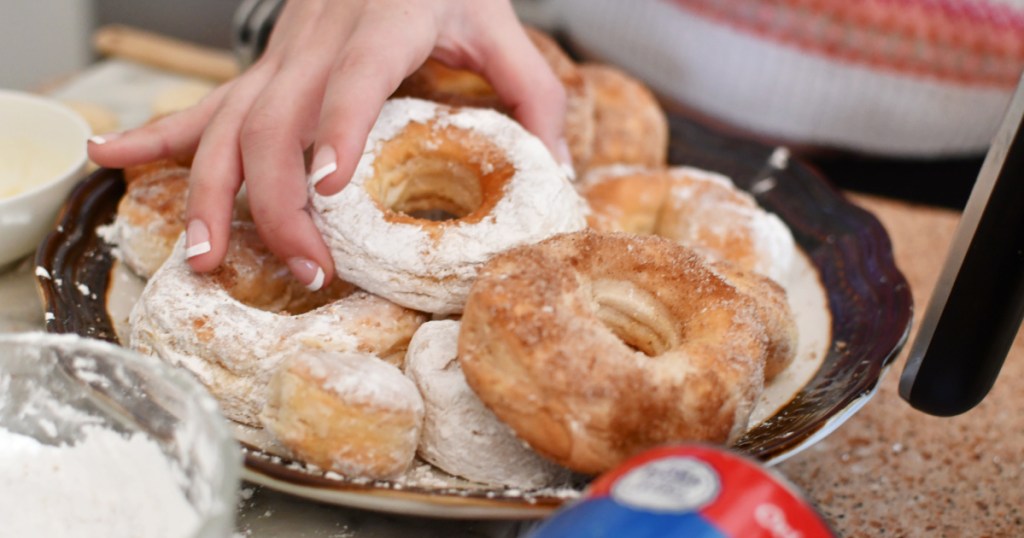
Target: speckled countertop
888,471
894,471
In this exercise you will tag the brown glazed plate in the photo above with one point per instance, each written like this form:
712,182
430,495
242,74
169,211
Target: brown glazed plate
865,299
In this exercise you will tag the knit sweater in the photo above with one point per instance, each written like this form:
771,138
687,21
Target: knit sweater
915,78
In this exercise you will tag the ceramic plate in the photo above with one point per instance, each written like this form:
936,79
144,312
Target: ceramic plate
864,300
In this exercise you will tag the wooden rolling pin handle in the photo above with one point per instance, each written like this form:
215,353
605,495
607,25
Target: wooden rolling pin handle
165,53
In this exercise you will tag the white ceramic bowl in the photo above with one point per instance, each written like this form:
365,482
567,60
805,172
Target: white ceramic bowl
42,156
68,395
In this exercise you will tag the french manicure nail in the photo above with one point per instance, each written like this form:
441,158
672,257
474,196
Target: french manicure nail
99,140
324,164
197,239
308,272
563,155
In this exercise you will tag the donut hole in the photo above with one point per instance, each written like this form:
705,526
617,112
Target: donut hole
253,276
428,173
635,316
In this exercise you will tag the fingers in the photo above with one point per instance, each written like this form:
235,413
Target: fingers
172,136
523,80
258,134
217,176
386,47
273,137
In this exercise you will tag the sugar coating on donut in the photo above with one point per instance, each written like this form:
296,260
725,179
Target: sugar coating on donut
718,206
773,309
150,217
348,412
517,194
233,347
698,208
596,346
457,87
151,214
630,126
460,434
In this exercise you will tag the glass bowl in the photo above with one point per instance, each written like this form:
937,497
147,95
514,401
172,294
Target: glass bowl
63,392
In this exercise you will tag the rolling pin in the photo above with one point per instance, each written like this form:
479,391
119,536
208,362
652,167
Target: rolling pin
165,53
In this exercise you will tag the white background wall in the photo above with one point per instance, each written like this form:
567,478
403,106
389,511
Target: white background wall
44,40
41,40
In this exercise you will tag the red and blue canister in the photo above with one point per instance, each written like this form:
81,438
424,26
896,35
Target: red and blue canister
696,491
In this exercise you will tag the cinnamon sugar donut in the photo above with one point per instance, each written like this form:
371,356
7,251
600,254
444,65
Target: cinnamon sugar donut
233,326
593,347
460,435
496,182
437,82
700,209
630,126
348,412
774,312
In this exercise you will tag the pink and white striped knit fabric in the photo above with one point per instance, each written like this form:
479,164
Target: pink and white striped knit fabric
888,77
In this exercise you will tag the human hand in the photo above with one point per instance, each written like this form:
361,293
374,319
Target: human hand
327,70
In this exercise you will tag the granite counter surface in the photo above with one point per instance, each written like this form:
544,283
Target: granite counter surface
894,471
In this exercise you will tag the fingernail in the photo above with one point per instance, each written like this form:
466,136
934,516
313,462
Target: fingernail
324,164
197,239
99,140
308,272
563,154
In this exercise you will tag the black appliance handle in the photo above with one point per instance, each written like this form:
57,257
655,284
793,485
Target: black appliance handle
978,303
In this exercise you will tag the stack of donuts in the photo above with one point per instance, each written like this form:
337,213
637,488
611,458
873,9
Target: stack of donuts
499,316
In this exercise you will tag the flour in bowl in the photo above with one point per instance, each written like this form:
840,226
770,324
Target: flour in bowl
107,485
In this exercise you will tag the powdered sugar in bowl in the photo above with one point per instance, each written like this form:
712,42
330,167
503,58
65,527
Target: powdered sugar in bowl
96,440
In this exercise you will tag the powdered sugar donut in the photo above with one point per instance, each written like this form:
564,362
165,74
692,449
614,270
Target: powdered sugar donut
460,435
700,209
150,216
345,411
233,326
497,183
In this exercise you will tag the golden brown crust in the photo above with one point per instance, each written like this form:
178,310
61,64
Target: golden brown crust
150,217
579,104
593,347
428,167
776,316
699,209
436,82
252,275
630,126
156,168
317,411
625,200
